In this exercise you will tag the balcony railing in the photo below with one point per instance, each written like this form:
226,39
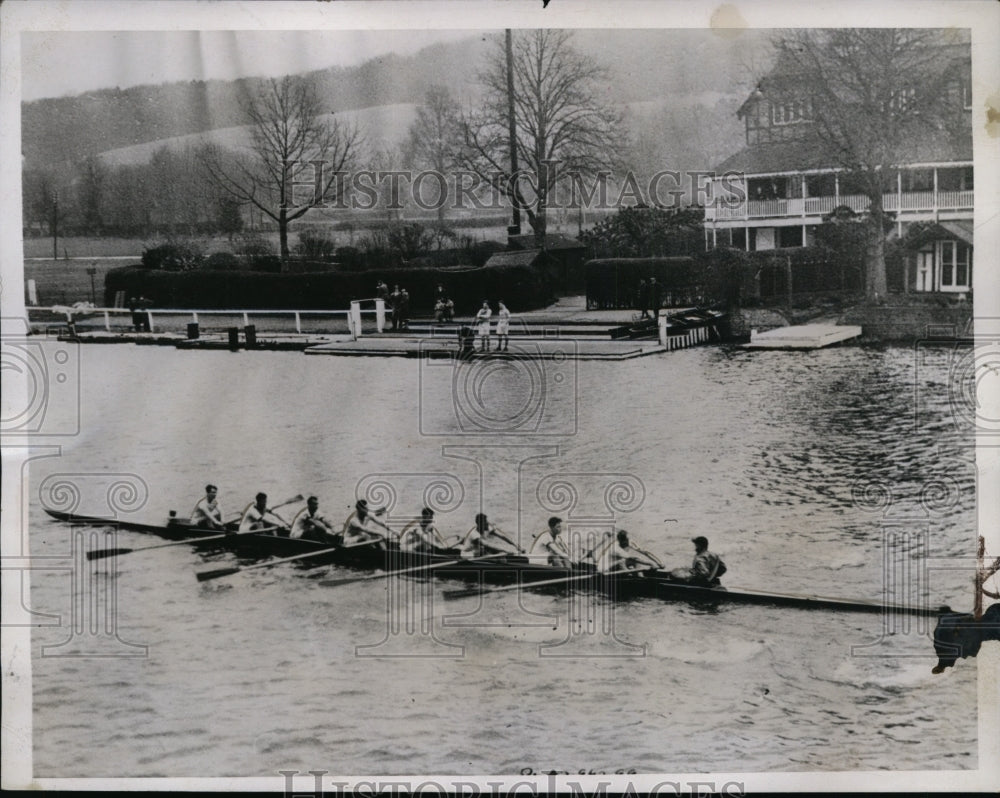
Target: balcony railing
905,202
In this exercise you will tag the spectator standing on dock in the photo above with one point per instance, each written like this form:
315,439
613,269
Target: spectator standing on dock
207,513
382,291
642,298
483,325
394,300
404,309
655,296
503,327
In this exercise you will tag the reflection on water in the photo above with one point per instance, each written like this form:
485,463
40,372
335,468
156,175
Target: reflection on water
799,467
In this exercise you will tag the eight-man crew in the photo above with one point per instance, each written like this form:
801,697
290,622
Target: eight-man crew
207,513
309,524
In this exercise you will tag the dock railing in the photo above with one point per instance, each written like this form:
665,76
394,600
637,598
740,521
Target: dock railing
176,319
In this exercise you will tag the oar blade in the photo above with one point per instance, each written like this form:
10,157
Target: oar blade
204,576
99,554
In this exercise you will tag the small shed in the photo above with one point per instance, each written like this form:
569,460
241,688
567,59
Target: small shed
567,256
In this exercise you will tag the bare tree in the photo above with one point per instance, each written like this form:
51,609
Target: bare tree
435,137
875,94
562,125
296,158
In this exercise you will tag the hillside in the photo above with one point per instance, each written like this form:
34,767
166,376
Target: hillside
381,127
643,66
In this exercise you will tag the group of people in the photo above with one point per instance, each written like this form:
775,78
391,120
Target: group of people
614,552
397,303
649,296
483,317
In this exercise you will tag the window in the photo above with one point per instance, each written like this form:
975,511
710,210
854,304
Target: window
956,265
791,112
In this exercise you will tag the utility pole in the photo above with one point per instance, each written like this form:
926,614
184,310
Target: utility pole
515,227
55,226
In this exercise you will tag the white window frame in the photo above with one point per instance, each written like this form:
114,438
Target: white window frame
946,253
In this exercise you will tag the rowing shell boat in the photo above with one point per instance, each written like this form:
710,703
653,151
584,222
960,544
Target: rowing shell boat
514,569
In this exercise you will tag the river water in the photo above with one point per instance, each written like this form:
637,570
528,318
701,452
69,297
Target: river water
841,472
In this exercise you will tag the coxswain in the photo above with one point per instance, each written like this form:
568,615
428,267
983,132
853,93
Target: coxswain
549,540
258,518
361,525
423,536
207,514
310,524
706,568
485,539
623,556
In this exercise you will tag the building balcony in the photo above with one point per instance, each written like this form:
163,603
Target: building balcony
811,209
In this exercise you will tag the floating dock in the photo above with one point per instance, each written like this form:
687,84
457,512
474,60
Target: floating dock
519,349
803,336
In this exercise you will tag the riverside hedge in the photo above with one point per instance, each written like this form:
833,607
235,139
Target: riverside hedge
727,276
522,288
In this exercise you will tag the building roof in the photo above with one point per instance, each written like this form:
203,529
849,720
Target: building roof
552,241
524,257
808,153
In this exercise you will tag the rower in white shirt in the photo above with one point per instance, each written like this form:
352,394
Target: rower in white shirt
423,536
310,524
550,542
622,556
259,518
207,513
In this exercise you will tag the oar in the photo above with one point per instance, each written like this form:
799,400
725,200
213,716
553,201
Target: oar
206,575
413,570
101,553
476,591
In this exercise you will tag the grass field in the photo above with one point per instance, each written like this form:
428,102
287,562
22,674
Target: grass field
81,247
63,282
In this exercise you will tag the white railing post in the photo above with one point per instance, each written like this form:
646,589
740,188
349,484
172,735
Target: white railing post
298,323
107,321
661,321
246,319
149,318
355,318
380,315
194,317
